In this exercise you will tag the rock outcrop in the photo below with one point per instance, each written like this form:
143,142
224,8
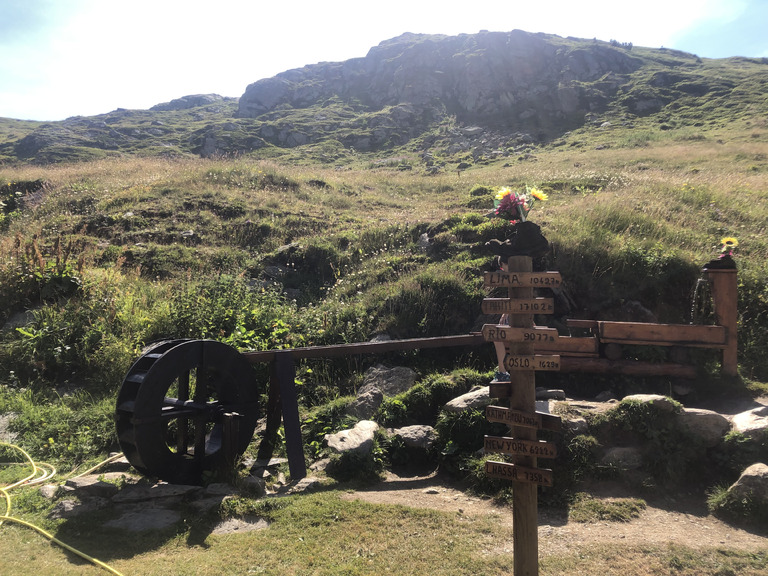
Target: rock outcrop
517,80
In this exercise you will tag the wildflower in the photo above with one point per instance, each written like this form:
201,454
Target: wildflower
503,191
539,195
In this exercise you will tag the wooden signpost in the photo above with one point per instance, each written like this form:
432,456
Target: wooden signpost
519,393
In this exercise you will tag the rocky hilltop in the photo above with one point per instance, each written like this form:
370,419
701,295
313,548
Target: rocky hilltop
491,92
509,80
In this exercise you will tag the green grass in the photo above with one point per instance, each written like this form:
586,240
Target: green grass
587,509
308,534
324,533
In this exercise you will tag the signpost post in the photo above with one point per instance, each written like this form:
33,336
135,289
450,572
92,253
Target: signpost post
519,394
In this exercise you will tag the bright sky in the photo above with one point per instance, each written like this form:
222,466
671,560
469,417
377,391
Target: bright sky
61,58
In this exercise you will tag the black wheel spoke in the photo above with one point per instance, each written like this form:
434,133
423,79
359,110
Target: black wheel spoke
182,433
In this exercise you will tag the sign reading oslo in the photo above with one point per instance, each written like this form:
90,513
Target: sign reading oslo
546,362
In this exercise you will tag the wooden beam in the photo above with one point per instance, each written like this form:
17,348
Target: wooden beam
628,367
337,350
725,297
587,346
648,334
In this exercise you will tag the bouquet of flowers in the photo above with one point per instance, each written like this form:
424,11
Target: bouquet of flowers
725,259
729,243
515,206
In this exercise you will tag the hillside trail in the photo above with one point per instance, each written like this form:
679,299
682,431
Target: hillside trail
682,520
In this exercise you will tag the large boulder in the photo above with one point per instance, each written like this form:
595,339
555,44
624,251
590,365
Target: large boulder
753,483
417,436
477,398
708,426
357,440
663,403
391,381
752,423
380,381
368,400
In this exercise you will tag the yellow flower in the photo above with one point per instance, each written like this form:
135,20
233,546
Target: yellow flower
729,242
504,191
538,194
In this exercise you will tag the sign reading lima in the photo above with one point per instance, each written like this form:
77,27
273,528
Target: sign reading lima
518,306
522,279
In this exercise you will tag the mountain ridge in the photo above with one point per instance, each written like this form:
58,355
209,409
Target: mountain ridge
421,90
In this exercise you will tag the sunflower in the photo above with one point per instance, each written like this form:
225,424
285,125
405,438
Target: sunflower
729,242
538,194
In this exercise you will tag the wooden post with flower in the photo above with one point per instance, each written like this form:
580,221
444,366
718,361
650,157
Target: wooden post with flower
721,273
515,386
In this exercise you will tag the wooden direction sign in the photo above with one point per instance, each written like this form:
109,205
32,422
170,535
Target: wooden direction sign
522,279
517,473
537,448
512,417
518,306
539,362
502,333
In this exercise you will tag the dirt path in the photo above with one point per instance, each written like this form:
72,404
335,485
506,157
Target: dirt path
683,522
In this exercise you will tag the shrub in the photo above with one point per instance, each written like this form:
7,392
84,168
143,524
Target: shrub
70,431
327,419
423,402
668,450
434,302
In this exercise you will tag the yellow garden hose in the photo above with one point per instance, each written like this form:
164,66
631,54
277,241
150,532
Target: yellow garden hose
45,472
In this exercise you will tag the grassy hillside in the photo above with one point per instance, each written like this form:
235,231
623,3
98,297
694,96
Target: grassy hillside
99,258
134,239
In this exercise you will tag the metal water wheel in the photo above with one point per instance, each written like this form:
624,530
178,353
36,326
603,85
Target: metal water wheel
186,407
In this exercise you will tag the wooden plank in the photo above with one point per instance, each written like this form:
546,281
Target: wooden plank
725,298
662,334
285,371
504,333
570,345
578,323
629,367
518,306
337,350
522,279
517,473
537,362
500,390
512,417
504,445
